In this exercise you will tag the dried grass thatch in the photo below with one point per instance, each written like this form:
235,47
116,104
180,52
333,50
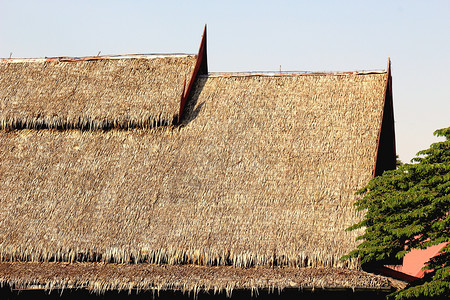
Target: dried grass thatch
262,173
187,278
101,93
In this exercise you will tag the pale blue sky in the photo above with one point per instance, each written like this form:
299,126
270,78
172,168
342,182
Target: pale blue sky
261,35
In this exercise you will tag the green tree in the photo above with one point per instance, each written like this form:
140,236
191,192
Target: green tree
408,208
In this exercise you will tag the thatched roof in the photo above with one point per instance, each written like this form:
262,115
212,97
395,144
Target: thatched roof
261,173
92,93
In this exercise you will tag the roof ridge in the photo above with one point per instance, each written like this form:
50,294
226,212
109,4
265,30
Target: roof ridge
292,73
96,57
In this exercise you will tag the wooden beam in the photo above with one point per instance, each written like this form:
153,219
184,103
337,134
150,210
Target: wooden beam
201,68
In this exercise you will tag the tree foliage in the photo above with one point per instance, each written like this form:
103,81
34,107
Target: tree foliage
408,208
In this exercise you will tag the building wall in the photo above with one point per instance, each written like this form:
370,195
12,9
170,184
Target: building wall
414,261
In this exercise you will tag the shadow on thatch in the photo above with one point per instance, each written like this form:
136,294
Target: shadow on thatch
191,109
88,124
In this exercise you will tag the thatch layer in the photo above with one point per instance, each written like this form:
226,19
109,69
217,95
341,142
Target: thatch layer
141,92
187,278
263,172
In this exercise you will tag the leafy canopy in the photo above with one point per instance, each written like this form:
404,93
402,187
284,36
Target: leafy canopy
408,208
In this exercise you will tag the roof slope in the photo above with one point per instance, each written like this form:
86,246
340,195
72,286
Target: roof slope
92,93
262,172
280,158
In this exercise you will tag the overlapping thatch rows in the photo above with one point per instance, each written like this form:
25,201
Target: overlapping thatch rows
187,278
289,152
97,93
262,172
